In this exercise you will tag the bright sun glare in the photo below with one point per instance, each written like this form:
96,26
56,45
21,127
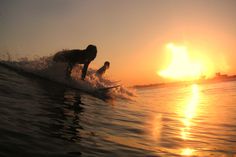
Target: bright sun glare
181,67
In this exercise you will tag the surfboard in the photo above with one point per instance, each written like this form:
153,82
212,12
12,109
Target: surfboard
74,84
107,88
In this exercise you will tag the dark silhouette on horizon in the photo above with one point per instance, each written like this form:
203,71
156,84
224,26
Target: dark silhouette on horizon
101,71
76,56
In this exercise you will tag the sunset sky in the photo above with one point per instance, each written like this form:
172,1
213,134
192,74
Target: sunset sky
145,40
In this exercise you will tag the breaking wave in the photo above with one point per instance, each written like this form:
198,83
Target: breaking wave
45,67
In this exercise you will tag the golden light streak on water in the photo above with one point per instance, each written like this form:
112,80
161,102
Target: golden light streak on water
189,112
187,152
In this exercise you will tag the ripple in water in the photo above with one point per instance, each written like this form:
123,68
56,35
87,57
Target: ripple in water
39,118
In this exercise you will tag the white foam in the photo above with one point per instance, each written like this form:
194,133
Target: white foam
47,68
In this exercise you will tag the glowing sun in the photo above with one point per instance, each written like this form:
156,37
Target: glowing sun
181,66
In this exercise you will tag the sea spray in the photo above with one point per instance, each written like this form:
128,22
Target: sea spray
47,68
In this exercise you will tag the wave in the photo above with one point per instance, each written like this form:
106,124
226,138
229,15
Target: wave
45,67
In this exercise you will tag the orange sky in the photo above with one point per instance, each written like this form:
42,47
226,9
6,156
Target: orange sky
132,35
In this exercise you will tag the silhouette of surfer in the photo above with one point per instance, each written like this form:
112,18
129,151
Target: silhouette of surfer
100,72
76,56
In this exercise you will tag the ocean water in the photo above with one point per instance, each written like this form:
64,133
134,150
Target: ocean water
40,118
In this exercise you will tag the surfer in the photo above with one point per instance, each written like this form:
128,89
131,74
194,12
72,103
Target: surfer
100,72
76,56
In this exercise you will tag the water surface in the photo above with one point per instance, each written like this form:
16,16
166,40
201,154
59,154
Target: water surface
40,118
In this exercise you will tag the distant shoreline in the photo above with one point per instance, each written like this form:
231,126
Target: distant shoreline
216,79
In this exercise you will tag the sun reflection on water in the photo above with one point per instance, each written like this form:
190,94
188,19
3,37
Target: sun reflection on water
189,112
187,152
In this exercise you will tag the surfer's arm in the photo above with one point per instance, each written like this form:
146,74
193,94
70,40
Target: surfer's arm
84,70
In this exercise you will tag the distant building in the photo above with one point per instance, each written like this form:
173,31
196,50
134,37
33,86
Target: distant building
220,76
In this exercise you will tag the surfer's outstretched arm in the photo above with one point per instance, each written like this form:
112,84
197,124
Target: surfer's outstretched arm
84,70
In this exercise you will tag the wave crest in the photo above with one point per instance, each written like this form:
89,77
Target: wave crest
47,68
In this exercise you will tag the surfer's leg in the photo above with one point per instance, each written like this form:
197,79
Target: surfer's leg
84,70
68,70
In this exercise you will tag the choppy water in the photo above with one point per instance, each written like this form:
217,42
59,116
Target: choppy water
39,118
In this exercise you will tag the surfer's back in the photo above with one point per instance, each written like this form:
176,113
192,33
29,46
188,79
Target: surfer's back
76,56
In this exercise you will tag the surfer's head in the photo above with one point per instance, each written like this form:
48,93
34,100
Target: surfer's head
91,51
107,64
